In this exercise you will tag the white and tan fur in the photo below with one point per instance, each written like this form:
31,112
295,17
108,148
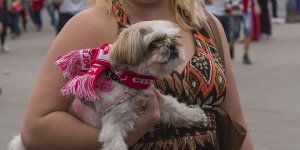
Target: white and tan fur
150,48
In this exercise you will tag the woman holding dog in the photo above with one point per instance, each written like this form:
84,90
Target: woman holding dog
200,80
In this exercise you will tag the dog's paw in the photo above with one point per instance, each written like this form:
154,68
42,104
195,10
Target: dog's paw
192,117
197,117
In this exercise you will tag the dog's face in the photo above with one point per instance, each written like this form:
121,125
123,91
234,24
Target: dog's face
149,47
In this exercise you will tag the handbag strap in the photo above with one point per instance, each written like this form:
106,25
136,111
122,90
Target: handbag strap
213,31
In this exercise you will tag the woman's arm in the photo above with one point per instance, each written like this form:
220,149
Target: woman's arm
232,101
48,125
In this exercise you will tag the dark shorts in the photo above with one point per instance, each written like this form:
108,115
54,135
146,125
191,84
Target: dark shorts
225,21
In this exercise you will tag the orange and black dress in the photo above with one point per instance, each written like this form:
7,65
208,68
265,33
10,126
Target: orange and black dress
202,83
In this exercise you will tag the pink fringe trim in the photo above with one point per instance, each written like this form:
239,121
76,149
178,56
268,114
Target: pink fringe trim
69,63
82,87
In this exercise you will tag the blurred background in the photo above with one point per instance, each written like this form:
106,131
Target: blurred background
268,83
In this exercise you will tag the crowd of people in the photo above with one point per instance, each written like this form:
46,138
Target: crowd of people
252,15
15,14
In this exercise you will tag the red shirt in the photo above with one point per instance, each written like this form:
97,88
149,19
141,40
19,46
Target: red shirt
37,5
247,4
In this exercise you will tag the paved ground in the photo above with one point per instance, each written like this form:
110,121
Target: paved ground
269,89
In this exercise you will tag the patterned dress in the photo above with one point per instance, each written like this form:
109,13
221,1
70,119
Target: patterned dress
202,83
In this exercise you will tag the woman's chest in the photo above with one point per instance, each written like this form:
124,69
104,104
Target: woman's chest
200,80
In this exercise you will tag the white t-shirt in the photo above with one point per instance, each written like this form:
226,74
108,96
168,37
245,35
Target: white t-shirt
73,6
217,7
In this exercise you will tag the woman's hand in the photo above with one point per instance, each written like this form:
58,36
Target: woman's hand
148,110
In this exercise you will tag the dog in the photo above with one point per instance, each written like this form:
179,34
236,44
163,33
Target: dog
142,53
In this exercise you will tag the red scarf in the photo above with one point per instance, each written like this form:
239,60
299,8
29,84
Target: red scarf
84,67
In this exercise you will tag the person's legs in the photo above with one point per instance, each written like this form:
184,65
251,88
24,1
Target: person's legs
15,24
3,39
247,36
63,19
39,20
225,21
32,16
274,8
24,20
265,19
51,13
234,32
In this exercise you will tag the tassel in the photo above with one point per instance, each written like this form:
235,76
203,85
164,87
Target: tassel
82,68
67,64
84,86
75,62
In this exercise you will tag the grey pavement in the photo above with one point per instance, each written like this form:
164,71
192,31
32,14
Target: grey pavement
269,89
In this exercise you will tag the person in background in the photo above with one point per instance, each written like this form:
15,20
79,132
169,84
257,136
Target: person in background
219,9
14,8
67,9
50,5
3,25
36,7
241,14
266,27
24,14
274,8
256,22
275,18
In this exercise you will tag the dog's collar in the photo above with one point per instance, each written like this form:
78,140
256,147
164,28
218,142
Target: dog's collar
130,79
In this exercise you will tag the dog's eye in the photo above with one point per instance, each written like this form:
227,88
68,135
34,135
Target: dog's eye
178,36
156,43
152,46
172,47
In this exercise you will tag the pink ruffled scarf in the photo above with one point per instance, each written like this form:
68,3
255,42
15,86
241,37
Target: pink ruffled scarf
83,68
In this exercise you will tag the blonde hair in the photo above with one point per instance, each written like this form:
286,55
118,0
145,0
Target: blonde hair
194,9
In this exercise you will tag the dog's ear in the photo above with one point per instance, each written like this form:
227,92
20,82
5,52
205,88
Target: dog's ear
129,48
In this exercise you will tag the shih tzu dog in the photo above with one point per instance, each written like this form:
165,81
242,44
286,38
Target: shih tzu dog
105,81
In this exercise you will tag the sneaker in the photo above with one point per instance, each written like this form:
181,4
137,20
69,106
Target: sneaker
265,37
4,49
246,60
278,20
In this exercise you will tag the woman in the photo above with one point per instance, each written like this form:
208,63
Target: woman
49,125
